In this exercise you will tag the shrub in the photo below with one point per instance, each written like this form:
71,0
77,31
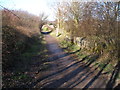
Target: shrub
18,35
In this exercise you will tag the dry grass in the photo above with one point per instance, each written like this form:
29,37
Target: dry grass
18,34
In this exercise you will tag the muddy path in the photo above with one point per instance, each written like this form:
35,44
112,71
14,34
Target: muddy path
67,71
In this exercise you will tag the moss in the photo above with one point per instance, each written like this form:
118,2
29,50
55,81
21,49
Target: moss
97,46
19,76
109,68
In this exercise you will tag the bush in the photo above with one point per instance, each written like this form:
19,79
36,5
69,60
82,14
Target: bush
18,35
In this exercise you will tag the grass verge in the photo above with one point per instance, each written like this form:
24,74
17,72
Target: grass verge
27,65
92,59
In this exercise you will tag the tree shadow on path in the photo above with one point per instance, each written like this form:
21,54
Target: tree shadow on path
71,75
55,73
96,76
113,77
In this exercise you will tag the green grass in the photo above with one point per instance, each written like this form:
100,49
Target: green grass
83,53
37,48
36,52
109,67
118,76
19,76
45,66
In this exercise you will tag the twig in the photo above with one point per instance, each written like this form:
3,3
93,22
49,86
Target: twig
10,11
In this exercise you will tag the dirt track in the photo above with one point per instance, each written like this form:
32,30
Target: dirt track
67,71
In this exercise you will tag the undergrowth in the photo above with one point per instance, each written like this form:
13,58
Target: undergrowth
91,56
23,48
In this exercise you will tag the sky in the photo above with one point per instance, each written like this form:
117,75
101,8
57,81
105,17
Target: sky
35,6
32,6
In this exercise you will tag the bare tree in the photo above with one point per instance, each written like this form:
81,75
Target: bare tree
43,20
